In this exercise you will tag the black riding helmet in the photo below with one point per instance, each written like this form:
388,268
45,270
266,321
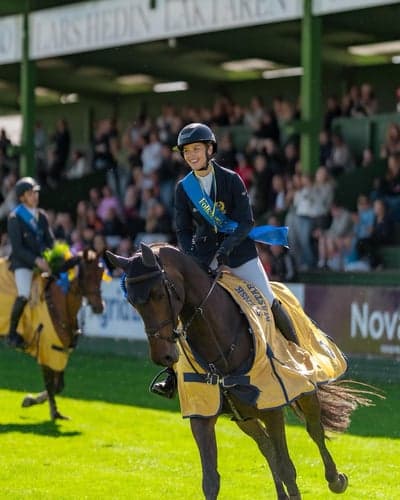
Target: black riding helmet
196,132
26,184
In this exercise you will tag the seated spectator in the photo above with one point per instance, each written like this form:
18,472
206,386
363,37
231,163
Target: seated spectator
268,127
367,159
261,189
388,186
340,159
63,227
290,158
78,167
334,242
363,226
391,146
382,234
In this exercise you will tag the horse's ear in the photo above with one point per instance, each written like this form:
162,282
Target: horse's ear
148,257
118,260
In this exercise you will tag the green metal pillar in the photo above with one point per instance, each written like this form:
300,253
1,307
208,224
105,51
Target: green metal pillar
27,96
310,89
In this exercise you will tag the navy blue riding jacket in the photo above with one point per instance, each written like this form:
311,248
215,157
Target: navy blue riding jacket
25,245
198,238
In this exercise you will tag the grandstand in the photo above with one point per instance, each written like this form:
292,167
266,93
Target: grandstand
115,73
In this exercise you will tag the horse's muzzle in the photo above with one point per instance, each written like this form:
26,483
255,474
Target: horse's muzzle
167,356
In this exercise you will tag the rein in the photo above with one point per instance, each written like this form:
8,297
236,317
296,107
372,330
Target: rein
177,335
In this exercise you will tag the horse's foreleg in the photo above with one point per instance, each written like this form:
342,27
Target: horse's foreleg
275,424
311,409
203,430
257,431
54,383
31,400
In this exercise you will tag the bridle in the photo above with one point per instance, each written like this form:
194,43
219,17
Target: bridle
153,332
82,284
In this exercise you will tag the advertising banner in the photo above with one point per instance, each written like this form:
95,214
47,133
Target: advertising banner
361,320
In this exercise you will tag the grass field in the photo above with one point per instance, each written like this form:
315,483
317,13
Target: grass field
123,443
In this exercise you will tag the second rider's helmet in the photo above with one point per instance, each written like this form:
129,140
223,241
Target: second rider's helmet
196,132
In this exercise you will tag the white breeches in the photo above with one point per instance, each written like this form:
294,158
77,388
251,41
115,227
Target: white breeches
23,280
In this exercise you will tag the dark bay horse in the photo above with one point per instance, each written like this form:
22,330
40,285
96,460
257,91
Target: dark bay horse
166,286
63,306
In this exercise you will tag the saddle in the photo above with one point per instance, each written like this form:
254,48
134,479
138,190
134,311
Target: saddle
35,325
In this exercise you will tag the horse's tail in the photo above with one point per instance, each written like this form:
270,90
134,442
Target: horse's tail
340,399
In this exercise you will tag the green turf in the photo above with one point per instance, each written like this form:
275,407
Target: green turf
123,443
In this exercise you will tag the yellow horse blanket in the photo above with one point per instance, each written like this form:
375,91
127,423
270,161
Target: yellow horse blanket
35,324
281,371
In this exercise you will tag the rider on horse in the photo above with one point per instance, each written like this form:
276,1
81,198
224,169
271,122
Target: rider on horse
201,234
30,234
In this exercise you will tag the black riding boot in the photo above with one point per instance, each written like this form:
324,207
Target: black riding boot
166,388
283,321
14,339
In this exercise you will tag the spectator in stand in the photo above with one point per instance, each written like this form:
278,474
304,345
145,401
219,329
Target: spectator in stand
279,197
325,147
159,222
333,242
226,154
388,186
268,127
397,94
220,112
105,145
244,169
109,200
391,145
125,247
5,143
340,160
303,223
134,223
236,116
151,154
333,111
79,166
59,152
166,176
8,194
368,100
260,193
40,142
76,242
253,115
290,158
382,234
324,190
363,225
368,159
63,227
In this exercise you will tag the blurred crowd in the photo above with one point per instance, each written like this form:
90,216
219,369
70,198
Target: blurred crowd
136,203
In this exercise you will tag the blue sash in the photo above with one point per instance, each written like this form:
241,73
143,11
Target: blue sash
272,235
23,213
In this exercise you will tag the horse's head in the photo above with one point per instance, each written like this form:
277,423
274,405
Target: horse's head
90,279
151,292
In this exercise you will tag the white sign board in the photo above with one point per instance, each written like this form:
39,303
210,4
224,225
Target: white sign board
94,25
10,39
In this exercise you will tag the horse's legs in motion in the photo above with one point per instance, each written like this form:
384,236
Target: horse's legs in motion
54,383
31,400
311,408
203,430
256,430
275,424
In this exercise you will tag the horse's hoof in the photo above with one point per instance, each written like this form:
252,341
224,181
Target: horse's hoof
339,485
28,401
58,416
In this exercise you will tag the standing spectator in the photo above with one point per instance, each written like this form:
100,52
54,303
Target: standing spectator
60,147
340,160
244,169
332,111
5,143
226,154
79,166
151,154
333,243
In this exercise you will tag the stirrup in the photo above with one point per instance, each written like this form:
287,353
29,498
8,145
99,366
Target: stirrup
16,341
167,387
